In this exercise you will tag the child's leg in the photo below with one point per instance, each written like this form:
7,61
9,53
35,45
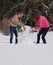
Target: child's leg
38,35
44,34
16,35
11,34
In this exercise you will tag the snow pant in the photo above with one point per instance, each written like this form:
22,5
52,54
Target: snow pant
43,32
13,30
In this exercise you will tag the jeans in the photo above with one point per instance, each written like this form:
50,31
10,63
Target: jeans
43,32
13,30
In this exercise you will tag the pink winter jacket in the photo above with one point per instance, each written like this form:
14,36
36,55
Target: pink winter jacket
42,23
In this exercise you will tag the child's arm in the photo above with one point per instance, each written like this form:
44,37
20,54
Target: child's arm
36,28
19,22
39,25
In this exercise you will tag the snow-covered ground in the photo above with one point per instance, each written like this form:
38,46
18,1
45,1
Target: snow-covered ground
26,52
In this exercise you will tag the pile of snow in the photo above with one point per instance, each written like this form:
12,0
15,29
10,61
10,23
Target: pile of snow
25,36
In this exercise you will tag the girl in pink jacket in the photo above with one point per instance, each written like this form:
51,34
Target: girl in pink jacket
42,24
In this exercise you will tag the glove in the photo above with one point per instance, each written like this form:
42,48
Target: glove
32,30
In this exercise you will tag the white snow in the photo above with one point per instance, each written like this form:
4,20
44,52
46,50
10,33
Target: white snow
26,52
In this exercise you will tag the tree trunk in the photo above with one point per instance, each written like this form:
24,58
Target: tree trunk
5,26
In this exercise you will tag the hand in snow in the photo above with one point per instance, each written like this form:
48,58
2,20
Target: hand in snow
23,28
32,30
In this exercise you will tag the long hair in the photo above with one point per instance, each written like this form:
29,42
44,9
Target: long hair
36,14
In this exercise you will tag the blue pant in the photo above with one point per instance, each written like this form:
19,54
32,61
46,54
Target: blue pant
13,30
43,32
